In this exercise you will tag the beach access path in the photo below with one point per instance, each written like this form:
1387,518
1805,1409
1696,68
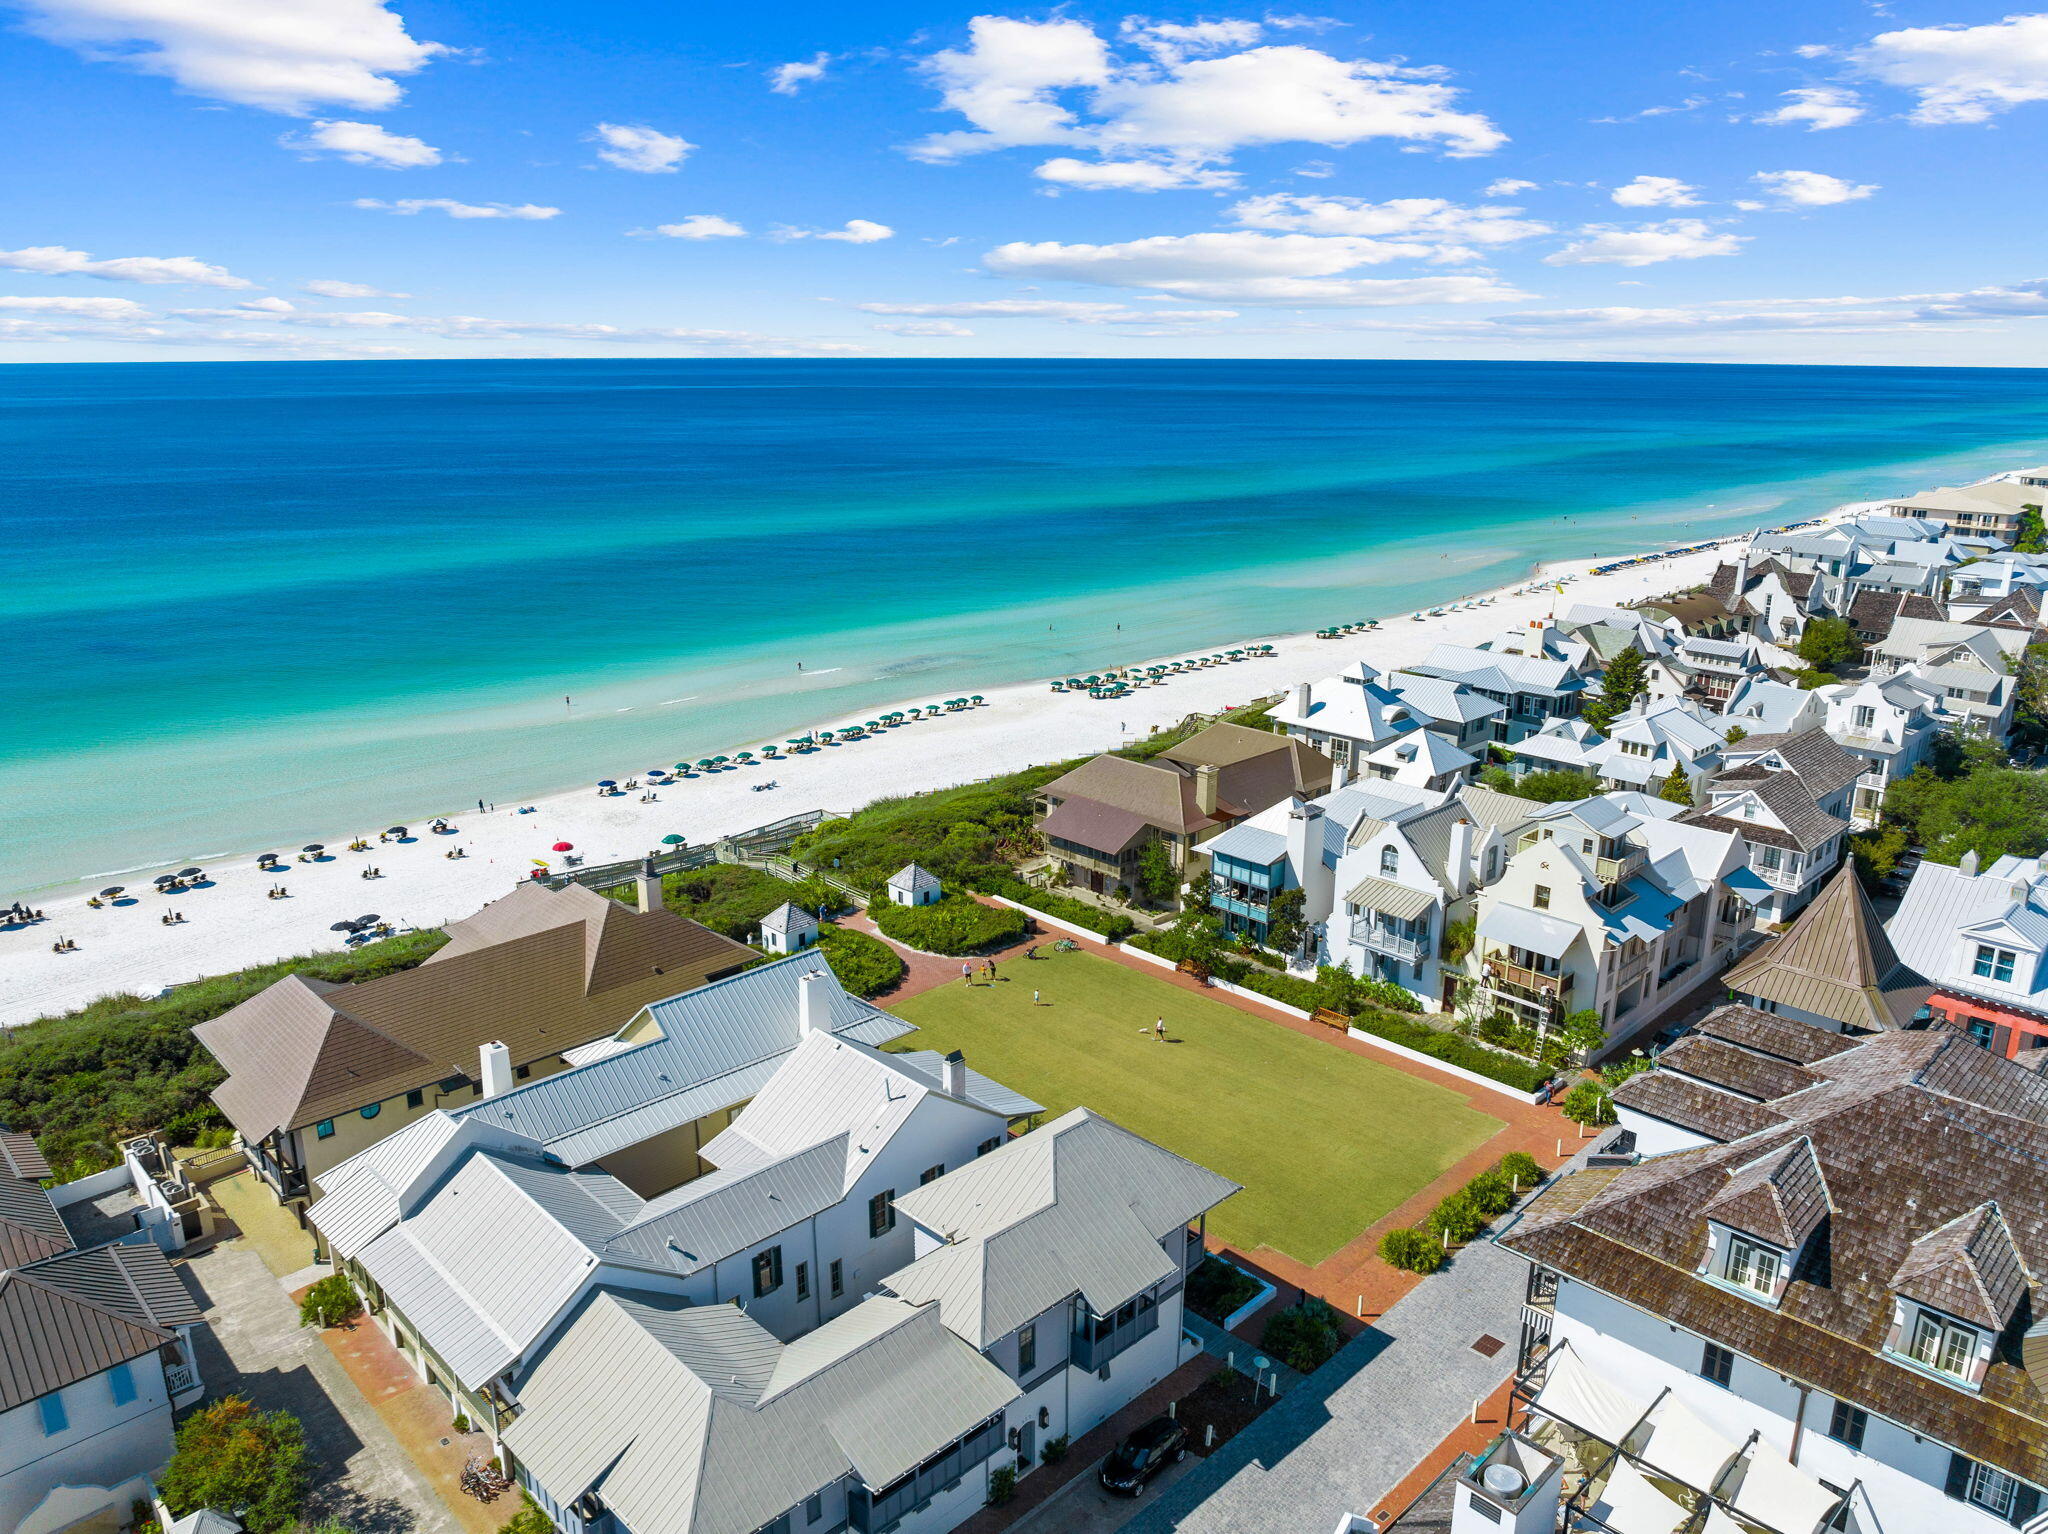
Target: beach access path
125,948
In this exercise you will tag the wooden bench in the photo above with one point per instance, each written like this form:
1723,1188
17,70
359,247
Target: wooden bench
1330,1017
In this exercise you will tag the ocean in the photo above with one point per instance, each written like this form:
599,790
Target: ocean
247,603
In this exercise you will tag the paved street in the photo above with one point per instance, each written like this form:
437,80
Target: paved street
1083,1507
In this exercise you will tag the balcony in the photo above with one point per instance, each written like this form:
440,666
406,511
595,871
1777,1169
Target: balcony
1614,870
1528,984
1098,1339
868,1511
1386,940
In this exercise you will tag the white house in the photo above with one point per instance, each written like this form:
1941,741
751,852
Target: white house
1980,936
788,929
1423,759
912,885
1639,750
1358,711
1762,706
1890,724
1816,1312
1529,688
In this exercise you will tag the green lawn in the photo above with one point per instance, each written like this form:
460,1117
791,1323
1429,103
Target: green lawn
1324,1141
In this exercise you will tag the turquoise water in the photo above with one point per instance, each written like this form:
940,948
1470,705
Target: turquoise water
247,603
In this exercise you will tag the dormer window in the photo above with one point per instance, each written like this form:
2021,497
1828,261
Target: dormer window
1754,1266
1994,963
1945,1346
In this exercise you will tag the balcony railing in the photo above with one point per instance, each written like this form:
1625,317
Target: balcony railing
1098,1339
1530,984
179,1378
1381,939
1614,870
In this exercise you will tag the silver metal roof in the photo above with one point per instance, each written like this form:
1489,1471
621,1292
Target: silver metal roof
1523,928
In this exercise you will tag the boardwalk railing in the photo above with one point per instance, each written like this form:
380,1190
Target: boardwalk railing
743,846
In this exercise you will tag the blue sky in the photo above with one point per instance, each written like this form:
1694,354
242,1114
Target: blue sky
1794,182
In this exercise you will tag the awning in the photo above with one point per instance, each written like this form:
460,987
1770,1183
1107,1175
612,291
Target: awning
1523,928
1746,883
1684,1448
1631,1505
1399,901
1775,1492
1574,1395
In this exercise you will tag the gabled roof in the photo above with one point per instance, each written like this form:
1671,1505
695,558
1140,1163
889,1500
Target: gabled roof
540,970
1078,1206
1821,762
20,1158
789,918
1734,1068
30,1227
1834,961
1695,1106
1781,1196
1944,901
1968,1268
1802,823
50,1338
135,1282
1766,1033
697,1421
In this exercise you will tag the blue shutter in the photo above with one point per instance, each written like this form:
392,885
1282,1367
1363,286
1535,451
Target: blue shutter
122,1379
1958,1476
55,1420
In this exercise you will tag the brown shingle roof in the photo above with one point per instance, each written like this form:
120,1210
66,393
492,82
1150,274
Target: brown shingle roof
1256,770
538,970
1834,961
1910,1131
1968,1268
1091,823
1739,1070
1694,1105
21,1158
1807,826
30,1227
1781,1196
1159,795
1820,760
1786,1038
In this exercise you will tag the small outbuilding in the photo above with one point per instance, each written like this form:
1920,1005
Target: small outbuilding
911,885
788,929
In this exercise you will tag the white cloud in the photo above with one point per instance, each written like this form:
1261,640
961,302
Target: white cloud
1819,107
362,144
411,205
84,308
1419,218
1656,192
1810,188
1245,267
1132,175
639,148
925,328
788,79
698,226
1192,102
1069,311
1507,186
56,261
1316,170
1962,74
281,55
328,287
267,306
1677,239
855,231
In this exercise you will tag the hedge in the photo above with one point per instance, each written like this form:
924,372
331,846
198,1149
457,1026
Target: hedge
1461,1215
1410,1250
1304,1336
865,965
1113,925
955,925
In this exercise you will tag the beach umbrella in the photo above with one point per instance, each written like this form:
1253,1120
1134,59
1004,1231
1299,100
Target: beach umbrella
682,766
607,783
368,921
746,756
110,891
166,878
563,847
396,831
672,840
314,847
343,926
704,763
190,873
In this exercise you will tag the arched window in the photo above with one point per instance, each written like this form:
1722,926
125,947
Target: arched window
1390,860
372,1111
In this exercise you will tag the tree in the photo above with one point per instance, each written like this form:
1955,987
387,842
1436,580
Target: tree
1556,787
330,1302
1813,677
1195,938
1993,812
1582,1032
1829,643
1286,913
1876,854
1677,787
1626,680
1737,734
2030,696
2030,537
247,1463
1588,1103
1158,879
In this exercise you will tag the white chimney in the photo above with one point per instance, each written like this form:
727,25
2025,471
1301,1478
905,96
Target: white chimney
647,885
494,1068
810,1011
1966,865
1463,833
1301,700
955,1076
1340,774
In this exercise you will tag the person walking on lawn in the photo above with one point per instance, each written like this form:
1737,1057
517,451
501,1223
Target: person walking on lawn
966,973
1159,1030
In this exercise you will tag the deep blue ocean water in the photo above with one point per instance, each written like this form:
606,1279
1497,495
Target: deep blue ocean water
248,602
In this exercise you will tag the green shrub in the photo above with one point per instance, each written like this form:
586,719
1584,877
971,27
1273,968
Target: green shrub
1002,1485
1457,1218
1411,1250
953,925
1304,1336
246,1463
729,898
865,965
85,1081
331,1302
1521,1168
529,1519
1113,925
960,834
1053,1450
1491,1193
1216,1288
1589,1103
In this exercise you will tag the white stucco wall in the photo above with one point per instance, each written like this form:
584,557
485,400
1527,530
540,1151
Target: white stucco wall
104,1446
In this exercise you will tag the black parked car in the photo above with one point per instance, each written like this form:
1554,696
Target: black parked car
1140,1457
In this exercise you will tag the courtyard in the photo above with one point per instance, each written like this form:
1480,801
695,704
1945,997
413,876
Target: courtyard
1325,1141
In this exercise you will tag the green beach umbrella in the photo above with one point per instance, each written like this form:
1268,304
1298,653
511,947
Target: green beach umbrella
672,840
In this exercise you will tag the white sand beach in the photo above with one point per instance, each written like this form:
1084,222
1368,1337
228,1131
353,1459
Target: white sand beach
126,948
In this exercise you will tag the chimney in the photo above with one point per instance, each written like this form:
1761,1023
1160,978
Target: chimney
810,1011
1967,864
1205,788
1462,835
494,1068
1301,700
1304,824
647,885
955,1075
1340,774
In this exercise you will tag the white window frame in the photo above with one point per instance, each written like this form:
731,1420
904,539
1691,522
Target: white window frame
1754,1266
1942,1336
1991,1489
1995,964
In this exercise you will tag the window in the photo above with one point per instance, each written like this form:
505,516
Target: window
1390,860
1027,1350
453,1083
55,1418
1993,1490
837,1276
1865,716
881,1214
1994,963
1717,1364
371,1111
521,1072
814,1507
1848,1424
1492,864
993,1142
931,1174
767,1271
324,1129
415,1098
1542,897
803,1280
1942,1344
1770,857
121,1380
1752,1266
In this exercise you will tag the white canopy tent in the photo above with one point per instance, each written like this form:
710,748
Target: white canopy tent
1777,1493
1684,1448
1631,1505
1574,1395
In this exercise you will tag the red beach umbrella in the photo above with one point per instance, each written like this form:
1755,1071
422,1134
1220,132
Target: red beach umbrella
563,847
